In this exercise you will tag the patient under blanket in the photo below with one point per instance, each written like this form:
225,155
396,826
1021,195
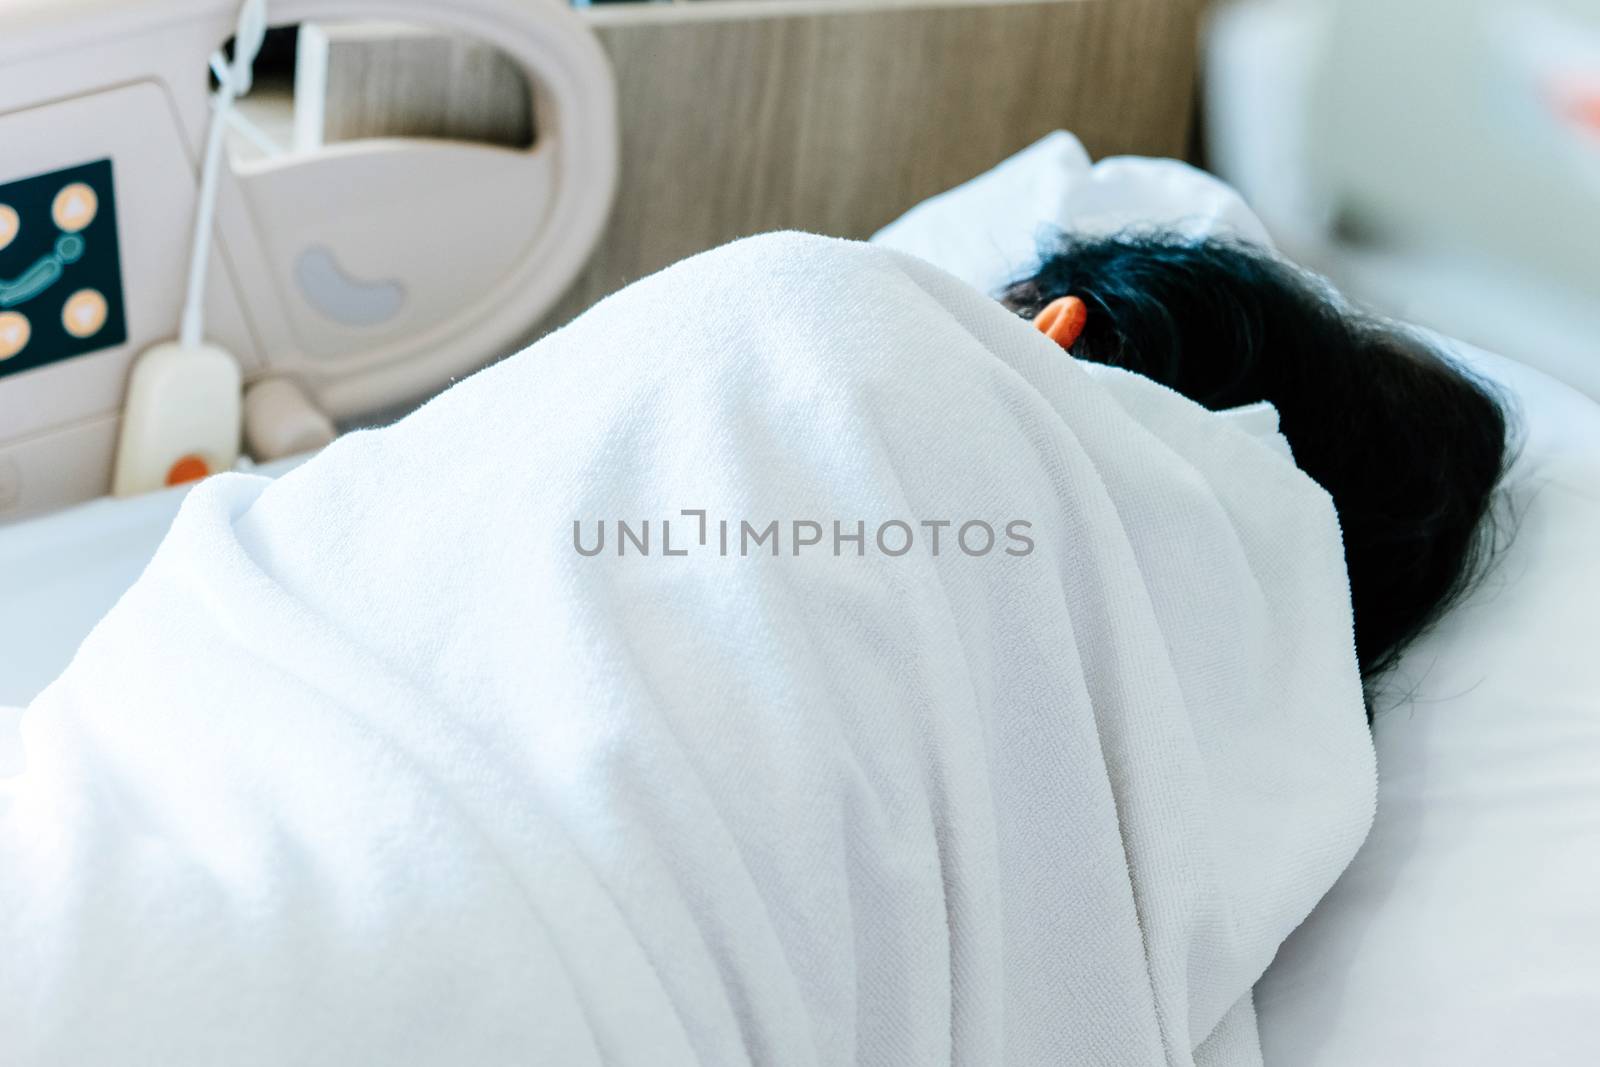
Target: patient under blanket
796,660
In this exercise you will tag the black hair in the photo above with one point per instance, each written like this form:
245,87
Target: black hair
1409,445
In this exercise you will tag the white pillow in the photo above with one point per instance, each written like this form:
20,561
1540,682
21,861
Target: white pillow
987,232
1467,930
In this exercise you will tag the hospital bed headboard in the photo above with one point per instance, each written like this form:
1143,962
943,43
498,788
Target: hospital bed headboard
350,275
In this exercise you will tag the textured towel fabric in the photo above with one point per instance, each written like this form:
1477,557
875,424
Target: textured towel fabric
373,765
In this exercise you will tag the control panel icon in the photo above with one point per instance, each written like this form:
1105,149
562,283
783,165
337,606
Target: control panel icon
74,207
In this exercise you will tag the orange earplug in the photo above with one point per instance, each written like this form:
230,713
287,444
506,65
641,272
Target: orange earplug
1062,320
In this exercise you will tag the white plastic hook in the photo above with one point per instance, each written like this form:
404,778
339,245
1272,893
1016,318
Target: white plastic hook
247,39
233,81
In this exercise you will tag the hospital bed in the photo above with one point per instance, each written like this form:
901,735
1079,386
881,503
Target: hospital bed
1464,932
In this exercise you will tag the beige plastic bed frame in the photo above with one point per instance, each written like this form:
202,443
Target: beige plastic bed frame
731,117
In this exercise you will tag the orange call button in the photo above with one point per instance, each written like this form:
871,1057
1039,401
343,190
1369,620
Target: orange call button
188,469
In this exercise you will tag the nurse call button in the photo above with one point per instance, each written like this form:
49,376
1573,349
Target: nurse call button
10,223
14,333
84,313
74,207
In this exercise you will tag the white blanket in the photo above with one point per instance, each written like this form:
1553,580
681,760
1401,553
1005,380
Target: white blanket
374,766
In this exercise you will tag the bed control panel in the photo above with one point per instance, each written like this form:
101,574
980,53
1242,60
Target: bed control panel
60,270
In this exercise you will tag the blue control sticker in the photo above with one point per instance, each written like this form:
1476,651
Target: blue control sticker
60,271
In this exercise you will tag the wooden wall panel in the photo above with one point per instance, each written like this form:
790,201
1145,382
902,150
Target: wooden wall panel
739,117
